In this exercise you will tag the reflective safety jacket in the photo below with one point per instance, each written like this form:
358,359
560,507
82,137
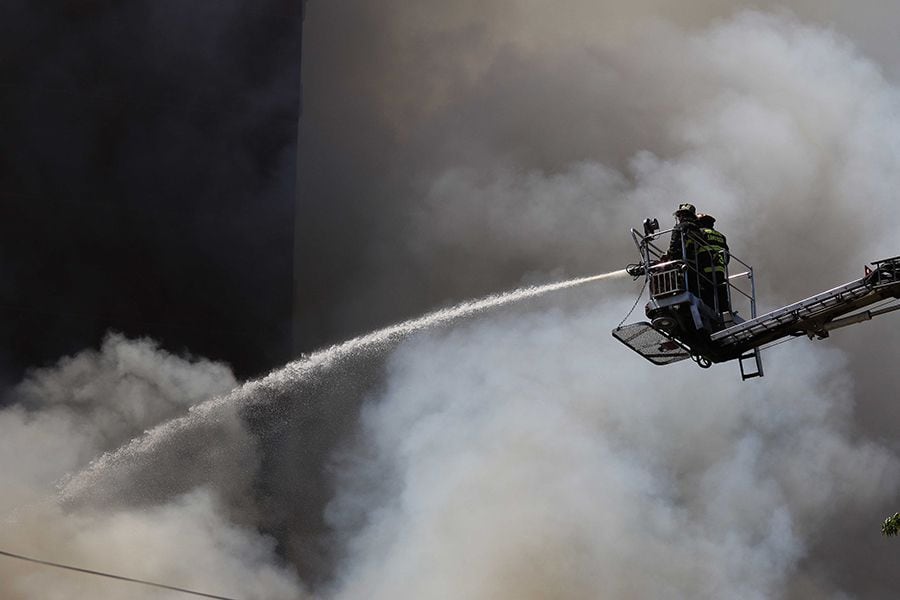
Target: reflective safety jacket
712,255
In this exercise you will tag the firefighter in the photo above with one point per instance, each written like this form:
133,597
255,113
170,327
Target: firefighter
684,243
712,258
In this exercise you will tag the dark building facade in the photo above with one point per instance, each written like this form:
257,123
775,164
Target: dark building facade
148,156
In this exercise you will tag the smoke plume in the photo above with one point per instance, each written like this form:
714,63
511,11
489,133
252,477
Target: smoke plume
526,457
522,453
526,139
495,139
66,416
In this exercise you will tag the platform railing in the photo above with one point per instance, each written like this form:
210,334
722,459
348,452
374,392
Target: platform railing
668,277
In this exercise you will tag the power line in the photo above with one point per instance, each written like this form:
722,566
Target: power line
111,576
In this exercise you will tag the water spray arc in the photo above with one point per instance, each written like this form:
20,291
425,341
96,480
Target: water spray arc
219,411
447,315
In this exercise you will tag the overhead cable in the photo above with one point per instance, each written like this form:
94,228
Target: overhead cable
112,576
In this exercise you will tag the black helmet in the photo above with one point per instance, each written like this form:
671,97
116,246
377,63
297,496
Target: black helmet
685,210
705,220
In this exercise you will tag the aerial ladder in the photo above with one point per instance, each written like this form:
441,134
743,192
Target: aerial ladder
682,326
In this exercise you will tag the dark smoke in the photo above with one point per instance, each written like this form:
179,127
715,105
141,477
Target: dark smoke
452,149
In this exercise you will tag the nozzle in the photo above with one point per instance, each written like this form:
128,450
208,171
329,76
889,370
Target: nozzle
635,270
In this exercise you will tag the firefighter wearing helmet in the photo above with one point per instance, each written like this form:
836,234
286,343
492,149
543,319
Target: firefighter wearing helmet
712,258
684,243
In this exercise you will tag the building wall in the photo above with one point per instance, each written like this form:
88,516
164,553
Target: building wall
147,177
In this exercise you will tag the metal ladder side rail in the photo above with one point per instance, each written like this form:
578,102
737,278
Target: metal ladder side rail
798,310
649,252
890,265
848,294
761,327
812,308
788,318
757,328
750,336
807,312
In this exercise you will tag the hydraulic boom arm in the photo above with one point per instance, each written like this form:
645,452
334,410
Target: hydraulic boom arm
818,315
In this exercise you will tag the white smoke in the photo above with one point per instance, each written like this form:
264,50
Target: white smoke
780,129
94,402
187,542
64,417
533,456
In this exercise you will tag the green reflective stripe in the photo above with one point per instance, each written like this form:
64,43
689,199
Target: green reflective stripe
713,234
718,269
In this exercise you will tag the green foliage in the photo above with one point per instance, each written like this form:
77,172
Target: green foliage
891,525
